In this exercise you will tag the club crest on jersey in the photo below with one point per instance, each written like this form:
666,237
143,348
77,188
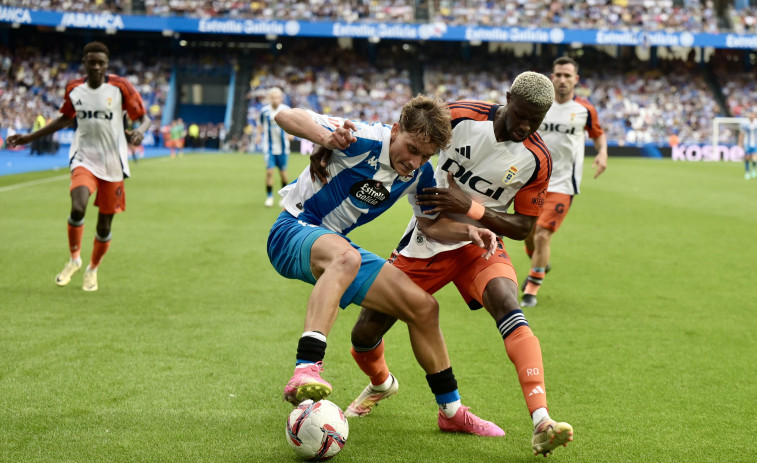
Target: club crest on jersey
510,175
368,193
109,103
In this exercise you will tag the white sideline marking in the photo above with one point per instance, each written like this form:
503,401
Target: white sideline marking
34,182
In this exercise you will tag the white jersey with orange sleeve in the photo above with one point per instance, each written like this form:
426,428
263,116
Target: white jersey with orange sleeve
494,174
563,131
99,140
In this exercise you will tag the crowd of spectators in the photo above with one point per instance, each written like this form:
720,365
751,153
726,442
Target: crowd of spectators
685,15
33,82
343,83
637,103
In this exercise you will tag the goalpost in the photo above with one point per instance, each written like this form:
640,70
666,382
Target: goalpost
716,122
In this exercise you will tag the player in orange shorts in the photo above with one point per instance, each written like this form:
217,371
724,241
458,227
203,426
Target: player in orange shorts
98,156
495,160
563,130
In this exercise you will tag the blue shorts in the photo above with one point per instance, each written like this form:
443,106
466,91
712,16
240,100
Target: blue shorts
750,149
276,160
289,244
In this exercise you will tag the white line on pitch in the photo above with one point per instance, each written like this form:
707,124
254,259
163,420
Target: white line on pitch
34,182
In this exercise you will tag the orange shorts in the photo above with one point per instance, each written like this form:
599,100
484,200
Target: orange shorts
175,143
464,266
111,197
556,206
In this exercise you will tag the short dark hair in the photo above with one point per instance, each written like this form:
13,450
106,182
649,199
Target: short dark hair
96,47
565,60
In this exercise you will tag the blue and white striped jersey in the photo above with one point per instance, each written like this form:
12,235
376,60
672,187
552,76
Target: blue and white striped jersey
274,140
749,129
362,184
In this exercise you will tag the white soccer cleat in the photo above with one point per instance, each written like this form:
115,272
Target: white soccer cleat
90,280
369,398
548,435
64,277
269,201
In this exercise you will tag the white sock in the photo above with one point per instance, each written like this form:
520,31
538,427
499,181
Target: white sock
383,386
314,334
539,414
77,260
450,409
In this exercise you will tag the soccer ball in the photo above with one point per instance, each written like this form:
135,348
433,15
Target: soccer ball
317,430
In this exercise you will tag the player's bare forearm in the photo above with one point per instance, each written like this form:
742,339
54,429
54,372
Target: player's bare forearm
59,123
514,226
136,136
447,229
600,160
298,122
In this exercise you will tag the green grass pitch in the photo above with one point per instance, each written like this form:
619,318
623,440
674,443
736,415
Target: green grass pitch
647,324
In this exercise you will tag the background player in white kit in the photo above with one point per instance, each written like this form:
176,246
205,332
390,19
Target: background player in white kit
748,141
563,131
275,141
98,157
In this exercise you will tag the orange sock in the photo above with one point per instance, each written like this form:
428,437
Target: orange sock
525,352
98,251
74,240
372,363
534,281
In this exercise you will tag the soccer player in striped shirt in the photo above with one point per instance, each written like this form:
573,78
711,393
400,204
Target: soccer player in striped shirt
748,141
495,160
275,141
563,130
372,167
95,105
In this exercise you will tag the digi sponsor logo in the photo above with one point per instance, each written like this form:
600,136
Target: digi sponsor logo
474,182
559,128
368,193
86,114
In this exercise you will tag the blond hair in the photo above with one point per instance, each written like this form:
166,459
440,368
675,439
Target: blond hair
535,88
427,120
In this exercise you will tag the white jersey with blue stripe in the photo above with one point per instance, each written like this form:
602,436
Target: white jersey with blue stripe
362,182
274,138
749,129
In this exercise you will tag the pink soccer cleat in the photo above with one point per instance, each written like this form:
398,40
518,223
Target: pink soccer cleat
467,422
306,383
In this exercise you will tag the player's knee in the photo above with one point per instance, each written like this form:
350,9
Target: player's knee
542,237
348,262
77,212
424,310
364,335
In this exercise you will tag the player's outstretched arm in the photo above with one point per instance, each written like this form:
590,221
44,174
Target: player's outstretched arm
60,123
600,160
446,229
453,200
298,122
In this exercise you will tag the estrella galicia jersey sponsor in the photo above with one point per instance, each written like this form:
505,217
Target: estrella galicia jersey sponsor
99,142
362,182
274,138
495,174
563,130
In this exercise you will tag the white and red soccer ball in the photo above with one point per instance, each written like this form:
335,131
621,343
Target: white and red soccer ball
317,430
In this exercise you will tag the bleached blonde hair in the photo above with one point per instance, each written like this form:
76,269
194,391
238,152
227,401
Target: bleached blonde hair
535,88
